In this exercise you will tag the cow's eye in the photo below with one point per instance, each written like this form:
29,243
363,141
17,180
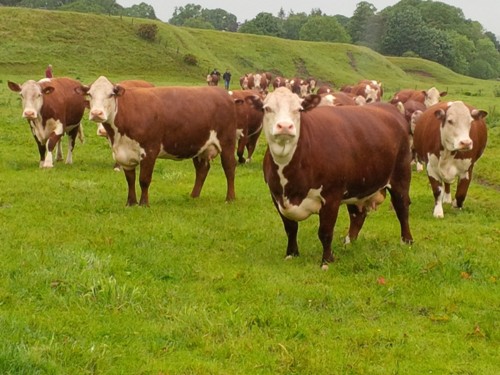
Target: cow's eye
268,110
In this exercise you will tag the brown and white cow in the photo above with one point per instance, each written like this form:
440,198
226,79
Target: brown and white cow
279,82
320,158
213,79
371,90
175,123
257,81
428,97
249,124
449,138
52,108
337,98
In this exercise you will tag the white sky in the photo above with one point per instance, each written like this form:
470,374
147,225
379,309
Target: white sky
487,12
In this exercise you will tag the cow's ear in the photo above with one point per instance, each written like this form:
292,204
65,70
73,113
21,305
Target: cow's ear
478,114
255,102
440,114
14,86
118,90
47,90
82,90
444,93
310,102
415,116
401,108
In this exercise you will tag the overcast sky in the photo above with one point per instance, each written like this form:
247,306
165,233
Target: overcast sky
487,12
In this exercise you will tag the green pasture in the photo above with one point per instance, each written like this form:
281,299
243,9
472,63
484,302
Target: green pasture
199,286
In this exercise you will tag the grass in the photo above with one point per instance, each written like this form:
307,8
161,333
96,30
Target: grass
88,286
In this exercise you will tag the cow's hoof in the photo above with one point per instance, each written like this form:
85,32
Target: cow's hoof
324,267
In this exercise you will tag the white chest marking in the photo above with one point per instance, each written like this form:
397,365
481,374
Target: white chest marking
446,168
126,151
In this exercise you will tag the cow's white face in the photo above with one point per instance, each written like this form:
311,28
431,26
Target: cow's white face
455,127
371,94
32,97
102,99
432,96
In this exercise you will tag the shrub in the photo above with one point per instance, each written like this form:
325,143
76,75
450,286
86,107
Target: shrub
190,59
147,31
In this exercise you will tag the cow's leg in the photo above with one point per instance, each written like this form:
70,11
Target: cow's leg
145,176
59,154
447,193
327,219
201,166
71,144
51,144
130,177
251,145
400,197
229,165
438,192
357,218
42,150
462,188
242,142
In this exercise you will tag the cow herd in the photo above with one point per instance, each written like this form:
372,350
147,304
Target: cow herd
324,149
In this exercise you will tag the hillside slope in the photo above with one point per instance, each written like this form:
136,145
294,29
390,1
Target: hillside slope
85,46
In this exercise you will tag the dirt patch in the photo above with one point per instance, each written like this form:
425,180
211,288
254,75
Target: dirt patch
352,61
301,68
420,73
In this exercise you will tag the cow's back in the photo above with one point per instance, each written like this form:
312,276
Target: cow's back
181,117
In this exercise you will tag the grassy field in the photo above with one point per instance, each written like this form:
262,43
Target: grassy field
89,286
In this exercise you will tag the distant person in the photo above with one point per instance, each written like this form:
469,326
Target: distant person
48,71
216,72
227,78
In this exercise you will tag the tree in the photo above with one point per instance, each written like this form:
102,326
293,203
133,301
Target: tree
263,24
359,21
402,34
181,14
293,24
465,52
325,29
220,19
142,10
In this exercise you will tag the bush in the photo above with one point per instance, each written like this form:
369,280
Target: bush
496,92
410,54
190,59
147,31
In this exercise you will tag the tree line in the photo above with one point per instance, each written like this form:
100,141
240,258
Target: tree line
420,28
416,28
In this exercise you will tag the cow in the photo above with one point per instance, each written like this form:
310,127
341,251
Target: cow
449,138
371,90
213,79
175,123
427,97
52,108
130,83
298,86
337,98
249,125
279,82
320,158
258,82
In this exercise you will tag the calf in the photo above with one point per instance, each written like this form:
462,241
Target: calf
320,158
449,138
52,108
249,125
165,122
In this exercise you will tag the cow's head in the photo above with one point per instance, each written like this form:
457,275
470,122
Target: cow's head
433,96
455,125
102,96
32,94
371,94
282,110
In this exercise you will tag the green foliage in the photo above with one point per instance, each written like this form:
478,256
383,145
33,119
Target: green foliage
141,10
147,31
324,29
263,24
357,26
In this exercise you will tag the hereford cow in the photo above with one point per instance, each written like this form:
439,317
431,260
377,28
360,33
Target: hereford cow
428,97
449,138
258,82
213,79
165,122
371,90
337,98
319,158
279,82
52,108
249,124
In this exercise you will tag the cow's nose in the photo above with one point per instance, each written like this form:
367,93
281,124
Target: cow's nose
465,144
285,128
29,114
97,114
